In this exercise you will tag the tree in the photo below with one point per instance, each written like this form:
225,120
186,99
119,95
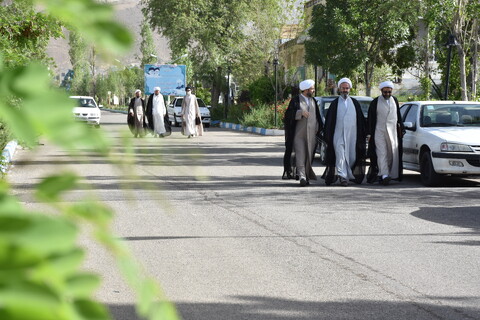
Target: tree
457,18
218,34
346,35
25,33
147,47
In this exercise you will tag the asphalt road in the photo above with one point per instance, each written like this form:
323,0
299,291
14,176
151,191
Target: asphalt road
212,221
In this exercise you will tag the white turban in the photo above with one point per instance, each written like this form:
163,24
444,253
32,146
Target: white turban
156,88
386,84
138,91
306,84
345,80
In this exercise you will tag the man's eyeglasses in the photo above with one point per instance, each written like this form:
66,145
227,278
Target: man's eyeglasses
386,91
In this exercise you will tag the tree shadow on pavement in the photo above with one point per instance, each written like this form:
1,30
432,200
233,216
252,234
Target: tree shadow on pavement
269,308
463,217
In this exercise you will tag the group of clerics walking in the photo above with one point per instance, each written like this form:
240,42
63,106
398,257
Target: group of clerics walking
153,117
345,134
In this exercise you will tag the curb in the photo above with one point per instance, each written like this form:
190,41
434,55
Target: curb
7,155
262,131
115,111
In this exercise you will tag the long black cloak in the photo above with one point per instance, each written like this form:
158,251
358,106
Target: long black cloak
289,125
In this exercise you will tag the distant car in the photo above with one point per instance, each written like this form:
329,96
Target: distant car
324,104
175,108
87,110
442,138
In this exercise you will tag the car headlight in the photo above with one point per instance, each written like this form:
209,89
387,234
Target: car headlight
454,147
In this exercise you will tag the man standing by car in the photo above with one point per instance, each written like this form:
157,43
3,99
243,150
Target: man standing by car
385,132
345,138
156,113
136,114
302,126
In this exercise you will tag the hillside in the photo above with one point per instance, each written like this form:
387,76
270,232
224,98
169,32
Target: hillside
128,13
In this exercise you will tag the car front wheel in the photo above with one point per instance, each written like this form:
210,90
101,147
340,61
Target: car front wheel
427,172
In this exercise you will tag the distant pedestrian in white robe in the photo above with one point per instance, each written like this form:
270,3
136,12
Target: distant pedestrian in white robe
159,111
190,111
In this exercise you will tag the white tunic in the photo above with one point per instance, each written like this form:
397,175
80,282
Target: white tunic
345,138
386,139
158,112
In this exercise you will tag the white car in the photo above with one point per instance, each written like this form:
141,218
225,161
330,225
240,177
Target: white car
175,108
442,138
87,110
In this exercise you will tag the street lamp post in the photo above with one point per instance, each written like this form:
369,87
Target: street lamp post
452,42
227,105
275,64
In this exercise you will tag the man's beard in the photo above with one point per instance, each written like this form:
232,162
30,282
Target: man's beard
344,95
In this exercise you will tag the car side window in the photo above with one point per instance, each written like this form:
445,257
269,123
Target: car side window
178,102
403,110
411,115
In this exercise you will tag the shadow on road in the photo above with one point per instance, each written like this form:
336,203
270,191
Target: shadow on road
268,308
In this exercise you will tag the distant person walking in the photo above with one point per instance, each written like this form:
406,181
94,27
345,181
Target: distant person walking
136,114
345,138
156,113
191,117
302,126
385,131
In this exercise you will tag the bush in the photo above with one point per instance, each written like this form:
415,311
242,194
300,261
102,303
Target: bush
262,91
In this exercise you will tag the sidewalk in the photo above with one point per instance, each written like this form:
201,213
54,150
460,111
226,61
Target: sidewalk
262,131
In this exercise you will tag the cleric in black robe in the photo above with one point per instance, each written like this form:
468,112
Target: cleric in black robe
339,134
306,137
136,115
391,131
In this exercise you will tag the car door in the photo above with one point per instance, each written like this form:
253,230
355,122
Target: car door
171,111
409,113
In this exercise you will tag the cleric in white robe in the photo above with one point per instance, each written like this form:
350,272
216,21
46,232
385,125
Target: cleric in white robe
156,113
190,112
345,138
385,131
302,126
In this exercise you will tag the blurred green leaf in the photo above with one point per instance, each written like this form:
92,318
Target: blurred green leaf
92,211
91,310
51,188
82,285
26,239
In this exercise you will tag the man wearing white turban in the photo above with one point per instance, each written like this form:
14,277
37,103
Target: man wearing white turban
385,131
136,115
302,124
345,138
156,114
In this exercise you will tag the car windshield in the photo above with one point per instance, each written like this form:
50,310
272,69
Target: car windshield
86,103
448,115
201,104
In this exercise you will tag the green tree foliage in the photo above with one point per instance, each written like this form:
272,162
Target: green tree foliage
460,19
40,260
147,47
24,33
347,35
219,33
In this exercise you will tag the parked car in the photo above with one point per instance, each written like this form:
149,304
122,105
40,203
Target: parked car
325,102
175,108
87,110
442,138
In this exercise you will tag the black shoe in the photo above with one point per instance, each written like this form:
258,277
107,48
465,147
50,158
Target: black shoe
303,182
385,181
